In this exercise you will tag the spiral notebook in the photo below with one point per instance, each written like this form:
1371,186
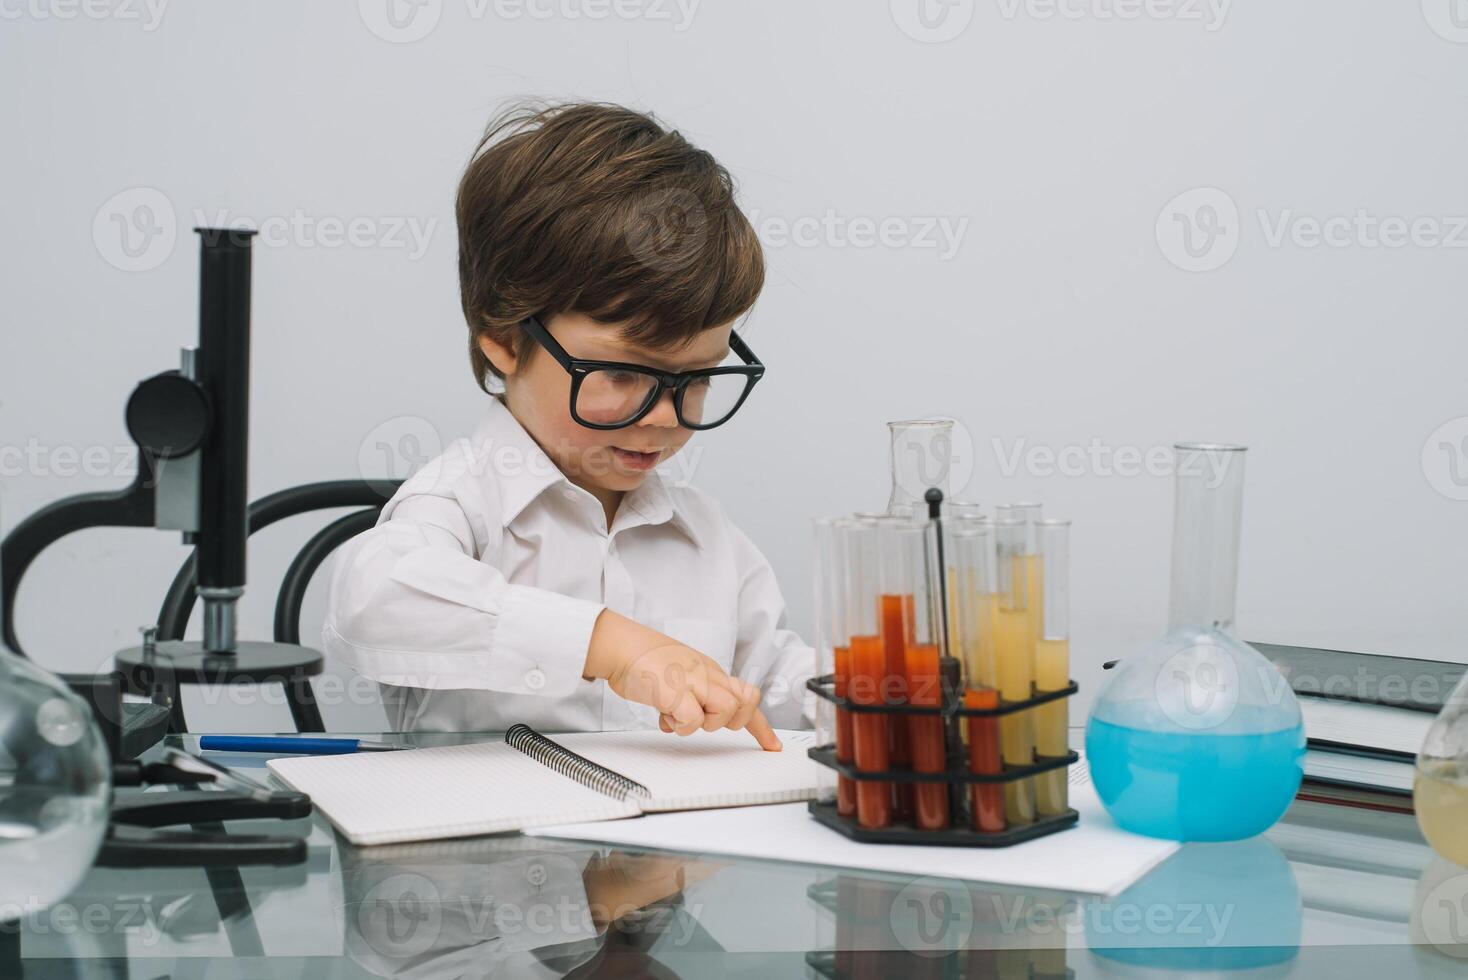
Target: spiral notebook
531,780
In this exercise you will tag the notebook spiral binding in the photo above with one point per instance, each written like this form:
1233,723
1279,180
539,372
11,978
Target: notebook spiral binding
562,760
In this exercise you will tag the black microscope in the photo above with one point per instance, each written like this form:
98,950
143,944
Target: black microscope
191,426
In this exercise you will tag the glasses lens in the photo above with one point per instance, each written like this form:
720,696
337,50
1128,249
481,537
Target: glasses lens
712,399
609,397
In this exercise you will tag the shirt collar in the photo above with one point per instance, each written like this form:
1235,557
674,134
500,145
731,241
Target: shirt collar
524,471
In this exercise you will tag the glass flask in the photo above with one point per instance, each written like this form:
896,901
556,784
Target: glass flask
1440,788
55,787
1198,737
922,455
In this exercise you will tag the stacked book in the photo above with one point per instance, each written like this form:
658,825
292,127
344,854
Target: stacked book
1365,718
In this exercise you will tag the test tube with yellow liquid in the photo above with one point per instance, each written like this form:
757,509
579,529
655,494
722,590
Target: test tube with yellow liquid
1052,663
1014,654
1034,568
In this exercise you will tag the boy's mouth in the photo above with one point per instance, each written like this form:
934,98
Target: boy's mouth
634,460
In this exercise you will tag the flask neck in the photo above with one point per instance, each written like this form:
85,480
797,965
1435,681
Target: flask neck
1205,535
921,455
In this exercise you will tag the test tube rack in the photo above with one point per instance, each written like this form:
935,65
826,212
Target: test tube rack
957,775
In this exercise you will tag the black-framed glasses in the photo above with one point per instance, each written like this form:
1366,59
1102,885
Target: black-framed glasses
613,395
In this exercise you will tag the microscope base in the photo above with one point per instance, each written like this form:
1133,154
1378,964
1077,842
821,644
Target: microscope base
165,667
186,662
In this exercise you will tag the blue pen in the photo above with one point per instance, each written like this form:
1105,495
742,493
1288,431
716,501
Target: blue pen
291,746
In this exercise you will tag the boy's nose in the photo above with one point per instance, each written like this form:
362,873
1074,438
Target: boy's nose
663,413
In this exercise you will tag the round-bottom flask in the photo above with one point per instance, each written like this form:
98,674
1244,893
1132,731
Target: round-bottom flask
1440,789
55,787
1198,738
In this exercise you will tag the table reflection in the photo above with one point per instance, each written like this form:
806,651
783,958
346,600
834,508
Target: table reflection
1228,908
512,907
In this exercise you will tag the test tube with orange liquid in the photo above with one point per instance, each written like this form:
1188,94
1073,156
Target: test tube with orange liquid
973,605
1052,664
911,587
870,737
894,620
833,647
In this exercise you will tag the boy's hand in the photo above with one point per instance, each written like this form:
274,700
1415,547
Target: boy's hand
689,690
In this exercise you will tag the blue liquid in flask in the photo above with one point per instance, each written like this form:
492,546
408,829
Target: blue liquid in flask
1193,785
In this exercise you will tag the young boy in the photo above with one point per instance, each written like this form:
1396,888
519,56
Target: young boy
541,571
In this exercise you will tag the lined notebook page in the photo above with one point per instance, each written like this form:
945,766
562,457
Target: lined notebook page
450,791
705,769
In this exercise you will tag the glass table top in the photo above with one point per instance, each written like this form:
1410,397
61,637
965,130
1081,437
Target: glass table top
1329,891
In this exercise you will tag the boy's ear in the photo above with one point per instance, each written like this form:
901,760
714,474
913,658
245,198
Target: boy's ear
502,356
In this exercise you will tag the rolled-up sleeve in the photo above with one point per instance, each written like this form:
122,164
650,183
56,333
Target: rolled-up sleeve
412,605
768,653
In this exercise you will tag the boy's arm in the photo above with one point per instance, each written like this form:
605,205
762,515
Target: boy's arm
411,605
768,654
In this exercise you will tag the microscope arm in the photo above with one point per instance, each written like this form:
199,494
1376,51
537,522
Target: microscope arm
133,507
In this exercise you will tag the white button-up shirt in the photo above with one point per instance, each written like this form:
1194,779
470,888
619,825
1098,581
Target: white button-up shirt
473,599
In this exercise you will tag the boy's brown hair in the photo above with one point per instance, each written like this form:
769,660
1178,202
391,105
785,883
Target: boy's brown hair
598,209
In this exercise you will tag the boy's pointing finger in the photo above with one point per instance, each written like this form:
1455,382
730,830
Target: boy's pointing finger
763,733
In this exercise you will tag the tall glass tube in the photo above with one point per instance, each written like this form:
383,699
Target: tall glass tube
1015,656
909,563
869,744
963,510
921,455
1207,517
1052,664
954,513
895,617
833,652
970,552
1030,512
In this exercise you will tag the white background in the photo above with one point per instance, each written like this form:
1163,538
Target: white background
1062,319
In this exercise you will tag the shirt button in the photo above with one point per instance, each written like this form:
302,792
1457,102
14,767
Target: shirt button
535,874
568,493
535,679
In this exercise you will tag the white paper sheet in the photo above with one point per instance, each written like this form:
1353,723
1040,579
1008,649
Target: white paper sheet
1095,857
